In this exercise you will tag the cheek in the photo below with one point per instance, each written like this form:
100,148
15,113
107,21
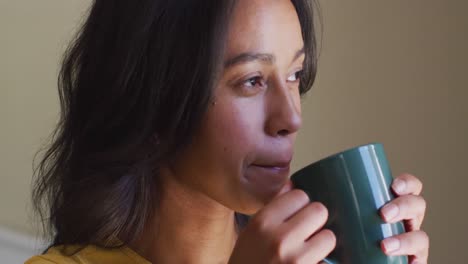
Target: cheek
236,134
235,127
227,139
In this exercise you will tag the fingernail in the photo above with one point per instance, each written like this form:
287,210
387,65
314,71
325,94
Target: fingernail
390,211
399,185
391,244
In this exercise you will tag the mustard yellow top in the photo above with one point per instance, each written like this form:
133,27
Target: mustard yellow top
88,255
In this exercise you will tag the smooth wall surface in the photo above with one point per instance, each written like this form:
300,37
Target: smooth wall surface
390,71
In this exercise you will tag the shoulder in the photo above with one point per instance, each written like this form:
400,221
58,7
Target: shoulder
87,255
54,255
46,260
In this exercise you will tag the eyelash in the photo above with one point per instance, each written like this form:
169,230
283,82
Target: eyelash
259,79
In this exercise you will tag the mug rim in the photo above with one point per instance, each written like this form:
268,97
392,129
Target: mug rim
357,147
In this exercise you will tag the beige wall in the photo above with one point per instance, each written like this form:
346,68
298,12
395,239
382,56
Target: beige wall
390,71
33,34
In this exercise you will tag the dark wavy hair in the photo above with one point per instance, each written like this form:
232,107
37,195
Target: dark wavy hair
133,86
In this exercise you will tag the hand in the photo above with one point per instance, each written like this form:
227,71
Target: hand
287,230
410,207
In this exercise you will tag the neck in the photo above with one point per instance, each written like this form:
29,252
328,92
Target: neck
188,227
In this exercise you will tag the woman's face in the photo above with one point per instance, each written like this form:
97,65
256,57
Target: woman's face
240,156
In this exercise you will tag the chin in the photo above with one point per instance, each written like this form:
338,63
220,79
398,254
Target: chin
257,188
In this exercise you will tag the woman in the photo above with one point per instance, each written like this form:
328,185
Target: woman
178,120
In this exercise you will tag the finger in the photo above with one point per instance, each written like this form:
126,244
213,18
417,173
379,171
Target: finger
305,223
407,184
415,243
281,208
318,247
288,186
407,207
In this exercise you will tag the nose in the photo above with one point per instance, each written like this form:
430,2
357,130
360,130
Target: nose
284,110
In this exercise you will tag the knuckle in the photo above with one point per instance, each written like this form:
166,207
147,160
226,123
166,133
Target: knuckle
278,248
258,224
418,238
408,176
412,202
423,242
424,236
300,195
294,260
319,209
423,201
280,238
329,237
413,180
291,260
404,202
421,185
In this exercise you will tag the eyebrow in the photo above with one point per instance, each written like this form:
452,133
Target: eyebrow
255,56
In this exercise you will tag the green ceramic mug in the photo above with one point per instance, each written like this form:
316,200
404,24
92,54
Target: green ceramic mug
354,185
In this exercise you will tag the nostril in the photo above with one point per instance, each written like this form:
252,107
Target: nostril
283,132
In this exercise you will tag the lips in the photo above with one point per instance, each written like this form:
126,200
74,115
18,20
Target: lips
277,165
267,177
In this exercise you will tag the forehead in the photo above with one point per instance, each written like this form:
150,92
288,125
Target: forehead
270,26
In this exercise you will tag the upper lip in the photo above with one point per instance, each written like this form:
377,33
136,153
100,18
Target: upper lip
280,156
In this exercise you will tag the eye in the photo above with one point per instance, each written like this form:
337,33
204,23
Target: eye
254,81
295,76
251,84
